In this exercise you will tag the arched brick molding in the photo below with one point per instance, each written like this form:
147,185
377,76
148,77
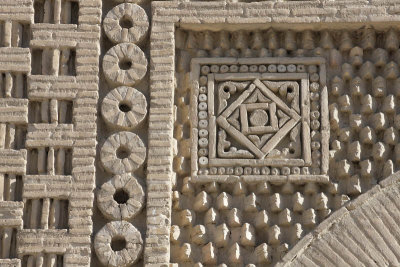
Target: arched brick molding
365,232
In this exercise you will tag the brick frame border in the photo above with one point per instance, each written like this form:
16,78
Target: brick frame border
201,15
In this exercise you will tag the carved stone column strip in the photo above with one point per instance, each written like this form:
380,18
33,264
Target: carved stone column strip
160,175
120,198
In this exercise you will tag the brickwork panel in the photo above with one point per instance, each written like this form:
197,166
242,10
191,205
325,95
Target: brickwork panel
146,133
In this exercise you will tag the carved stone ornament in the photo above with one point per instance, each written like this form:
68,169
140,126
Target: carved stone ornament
113,232
124,107
121,198
263,123
234,133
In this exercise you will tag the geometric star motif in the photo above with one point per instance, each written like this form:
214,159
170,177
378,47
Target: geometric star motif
258,118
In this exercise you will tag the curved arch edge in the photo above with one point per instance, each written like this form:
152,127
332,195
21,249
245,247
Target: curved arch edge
385,185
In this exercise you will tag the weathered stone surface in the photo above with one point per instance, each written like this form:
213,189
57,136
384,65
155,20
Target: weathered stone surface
228,173
272,129
362,232
49,88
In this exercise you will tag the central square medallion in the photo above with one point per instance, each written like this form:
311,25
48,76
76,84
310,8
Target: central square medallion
258,121
253,119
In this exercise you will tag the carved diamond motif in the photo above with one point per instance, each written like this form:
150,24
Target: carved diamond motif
261,114
259,124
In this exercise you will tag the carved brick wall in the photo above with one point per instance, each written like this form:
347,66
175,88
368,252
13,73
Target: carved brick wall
49,91
224,133
271,121
267,153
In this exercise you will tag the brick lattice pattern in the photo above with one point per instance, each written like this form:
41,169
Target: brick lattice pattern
199,133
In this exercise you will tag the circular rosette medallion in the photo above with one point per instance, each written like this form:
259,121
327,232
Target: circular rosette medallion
121,198
124,107
126,23
122,152
124,64
118,244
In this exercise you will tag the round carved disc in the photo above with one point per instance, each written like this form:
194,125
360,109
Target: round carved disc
124,64
126,23
124,107
121,198
122,152
112,233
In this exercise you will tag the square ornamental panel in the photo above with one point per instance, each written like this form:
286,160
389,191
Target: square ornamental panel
259,119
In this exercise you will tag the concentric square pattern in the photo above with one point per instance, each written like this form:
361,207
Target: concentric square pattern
259,119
